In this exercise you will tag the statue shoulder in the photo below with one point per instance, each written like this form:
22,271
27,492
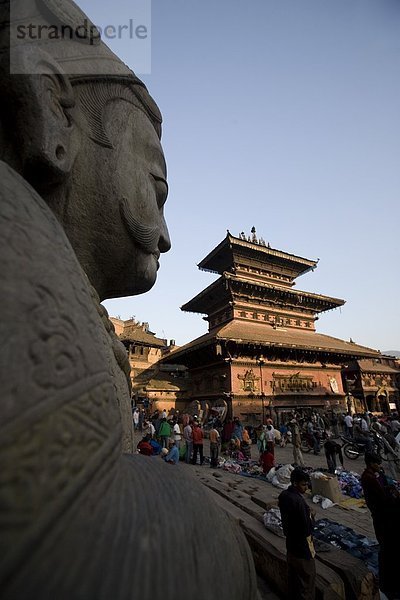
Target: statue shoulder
46,300
57,368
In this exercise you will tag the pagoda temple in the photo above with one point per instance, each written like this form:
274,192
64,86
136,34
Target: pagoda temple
262,355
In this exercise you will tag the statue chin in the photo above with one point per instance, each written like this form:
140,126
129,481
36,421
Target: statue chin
138,281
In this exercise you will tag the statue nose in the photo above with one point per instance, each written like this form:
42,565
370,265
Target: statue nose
164,243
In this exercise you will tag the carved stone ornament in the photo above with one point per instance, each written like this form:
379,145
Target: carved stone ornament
248,380
69,14
334,385
292,383
82,189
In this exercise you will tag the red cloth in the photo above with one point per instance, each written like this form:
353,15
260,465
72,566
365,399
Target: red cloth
267,461
145,448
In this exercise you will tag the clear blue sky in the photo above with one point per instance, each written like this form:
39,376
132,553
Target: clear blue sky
283,114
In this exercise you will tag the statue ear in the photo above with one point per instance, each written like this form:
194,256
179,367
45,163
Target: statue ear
43,100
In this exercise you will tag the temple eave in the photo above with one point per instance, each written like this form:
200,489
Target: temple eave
213,271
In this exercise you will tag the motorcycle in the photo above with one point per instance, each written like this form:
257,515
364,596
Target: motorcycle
353,448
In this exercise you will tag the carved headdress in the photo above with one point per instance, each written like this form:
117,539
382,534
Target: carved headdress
42,36
60,28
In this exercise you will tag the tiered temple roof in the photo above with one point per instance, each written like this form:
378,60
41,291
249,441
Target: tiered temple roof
233,251
254,304
257,282
279,341
212,296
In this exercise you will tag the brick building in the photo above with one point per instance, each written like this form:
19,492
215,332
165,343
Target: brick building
373,384
155,385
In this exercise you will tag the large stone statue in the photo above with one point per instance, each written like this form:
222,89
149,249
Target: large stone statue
82,189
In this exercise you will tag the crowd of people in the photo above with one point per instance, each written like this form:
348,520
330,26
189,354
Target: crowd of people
181,437
186,433
320,431
312,432
177,437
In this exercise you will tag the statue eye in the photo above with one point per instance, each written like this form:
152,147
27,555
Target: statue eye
161,187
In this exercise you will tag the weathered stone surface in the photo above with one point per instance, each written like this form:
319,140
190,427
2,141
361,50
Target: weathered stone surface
270,556
82,188
339,575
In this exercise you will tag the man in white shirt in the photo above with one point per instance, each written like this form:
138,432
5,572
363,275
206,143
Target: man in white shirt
270,439
177,434
151,430
364,425
135,418
348,421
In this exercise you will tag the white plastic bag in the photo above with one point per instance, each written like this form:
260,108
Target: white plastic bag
326,503
270,475
273,522
281,477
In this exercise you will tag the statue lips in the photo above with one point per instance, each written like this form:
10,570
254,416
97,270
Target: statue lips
157,256
144,236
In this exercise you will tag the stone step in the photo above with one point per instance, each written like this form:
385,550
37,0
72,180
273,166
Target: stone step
357,582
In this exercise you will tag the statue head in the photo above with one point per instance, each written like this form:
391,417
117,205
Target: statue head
84,131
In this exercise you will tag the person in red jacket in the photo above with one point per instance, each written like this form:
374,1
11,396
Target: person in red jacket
144,446
198,440
267,461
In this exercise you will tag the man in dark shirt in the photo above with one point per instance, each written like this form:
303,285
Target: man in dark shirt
298,522
384,503
331,449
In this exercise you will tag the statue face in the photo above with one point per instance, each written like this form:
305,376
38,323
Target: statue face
114,212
